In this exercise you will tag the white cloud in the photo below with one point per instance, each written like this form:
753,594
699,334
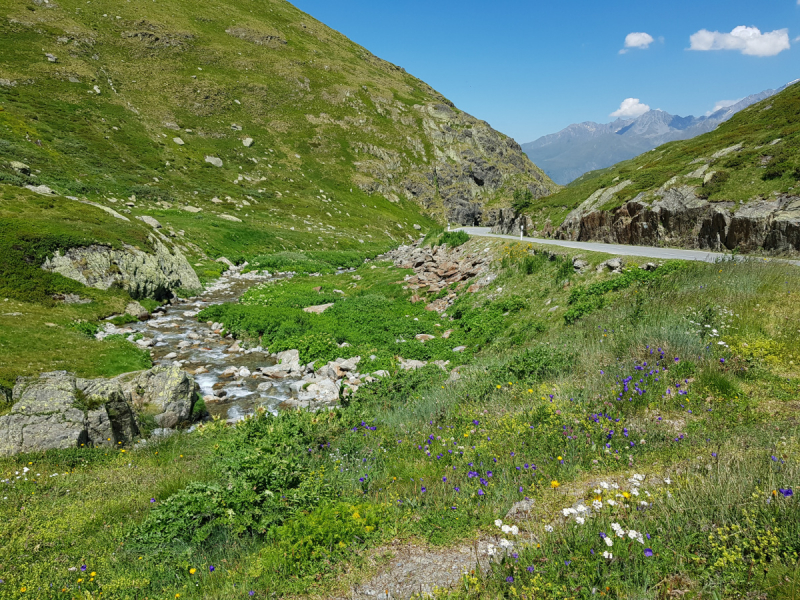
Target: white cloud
639,40
748,40
631,108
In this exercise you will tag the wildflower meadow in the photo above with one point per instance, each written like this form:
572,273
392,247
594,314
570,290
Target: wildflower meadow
643,446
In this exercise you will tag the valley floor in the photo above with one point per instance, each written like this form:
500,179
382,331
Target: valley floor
628,435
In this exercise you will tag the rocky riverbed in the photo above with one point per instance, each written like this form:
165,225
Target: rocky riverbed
227,373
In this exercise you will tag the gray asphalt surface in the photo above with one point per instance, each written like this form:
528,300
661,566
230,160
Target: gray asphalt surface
619,249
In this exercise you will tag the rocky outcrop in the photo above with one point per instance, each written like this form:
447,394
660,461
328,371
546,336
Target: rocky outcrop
678,217
59,411
142,274
672,217
507,221
465,163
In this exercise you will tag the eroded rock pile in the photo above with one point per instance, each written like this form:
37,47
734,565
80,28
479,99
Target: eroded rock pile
438,267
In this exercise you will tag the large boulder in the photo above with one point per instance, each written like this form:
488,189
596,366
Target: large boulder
58,411
170,390
142,274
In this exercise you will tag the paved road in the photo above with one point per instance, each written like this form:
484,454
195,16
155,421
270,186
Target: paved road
621,249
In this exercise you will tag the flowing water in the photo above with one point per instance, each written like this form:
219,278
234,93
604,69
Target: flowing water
178,338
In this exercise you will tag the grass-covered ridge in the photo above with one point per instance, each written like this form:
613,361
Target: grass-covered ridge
321,143
768,162
693,387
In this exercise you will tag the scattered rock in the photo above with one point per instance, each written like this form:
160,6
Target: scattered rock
579,264
191,209
424,337
411,365
319,309
612,264
178,141
247,142
20,167
520,511
135,309
230,218
213,160
41,189
148,220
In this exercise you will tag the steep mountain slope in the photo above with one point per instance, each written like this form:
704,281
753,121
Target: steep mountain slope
589,146
248,126
737,187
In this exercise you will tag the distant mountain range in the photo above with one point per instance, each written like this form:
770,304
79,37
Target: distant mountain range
589,146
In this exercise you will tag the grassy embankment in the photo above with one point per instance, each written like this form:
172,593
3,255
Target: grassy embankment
37,332
768,163
287,505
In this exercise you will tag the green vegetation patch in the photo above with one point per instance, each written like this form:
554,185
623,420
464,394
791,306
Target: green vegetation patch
676,414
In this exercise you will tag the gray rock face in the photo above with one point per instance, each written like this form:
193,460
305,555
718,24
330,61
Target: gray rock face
466,162
675,217
54,411
141,274
213,160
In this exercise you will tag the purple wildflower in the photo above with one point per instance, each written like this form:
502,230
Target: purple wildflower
648,552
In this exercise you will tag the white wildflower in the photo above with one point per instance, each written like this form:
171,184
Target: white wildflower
632,534
498,523
635,491
608,541
505,544
581,508
608,555
616,526
506,529
667,481
491,550
580,520
611,502
604,485
615,486
514,530
598,491
548,528
597,505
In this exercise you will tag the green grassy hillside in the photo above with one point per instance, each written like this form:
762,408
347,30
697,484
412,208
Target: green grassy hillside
320,142
767,163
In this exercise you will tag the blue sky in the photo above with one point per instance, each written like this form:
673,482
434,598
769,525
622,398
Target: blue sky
530,67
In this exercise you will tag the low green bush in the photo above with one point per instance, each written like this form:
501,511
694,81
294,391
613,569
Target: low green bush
453,238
